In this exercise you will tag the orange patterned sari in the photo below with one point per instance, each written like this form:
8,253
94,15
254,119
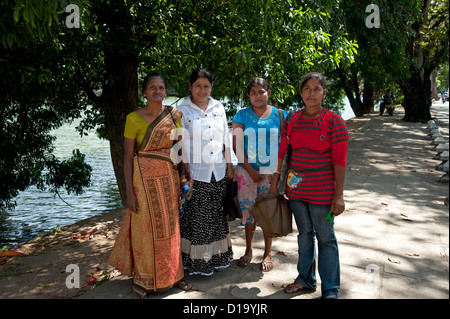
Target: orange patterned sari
148,243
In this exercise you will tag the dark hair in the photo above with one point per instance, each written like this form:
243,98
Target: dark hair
258,81
151,76
201,73
314,75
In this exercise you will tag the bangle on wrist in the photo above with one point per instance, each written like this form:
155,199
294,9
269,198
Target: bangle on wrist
277,172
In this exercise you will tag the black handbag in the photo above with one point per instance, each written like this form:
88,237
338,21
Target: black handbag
231,207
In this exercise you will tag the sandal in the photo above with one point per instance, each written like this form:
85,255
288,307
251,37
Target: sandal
294,287
183,285
267,265
244,260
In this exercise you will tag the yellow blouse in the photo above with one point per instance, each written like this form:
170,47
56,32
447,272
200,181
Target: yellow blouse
136,126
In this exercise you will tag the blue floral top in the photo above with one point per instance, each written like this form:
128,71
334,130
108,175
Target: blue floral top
261,138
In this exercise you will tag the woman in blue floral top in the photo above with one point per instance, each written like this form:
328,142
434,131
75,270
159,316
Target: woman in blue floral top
256,134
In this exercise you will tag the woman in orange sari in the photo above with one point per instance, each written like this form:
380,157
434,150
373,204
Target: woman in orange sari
148,244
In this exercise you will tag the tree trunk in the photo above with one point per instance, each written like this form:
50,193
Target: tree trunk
120,87
356,107
416,88
368,97
417,102
119,98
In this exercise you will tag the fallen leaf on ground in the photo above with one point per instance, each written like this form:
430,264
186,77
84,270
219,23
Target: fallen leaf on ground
406,217
10,253
281,253
393,261
83,235
92,280
33,270
412,254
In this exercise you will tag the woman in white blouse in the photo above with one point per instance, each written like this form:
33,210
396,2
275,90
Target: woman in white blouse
205,236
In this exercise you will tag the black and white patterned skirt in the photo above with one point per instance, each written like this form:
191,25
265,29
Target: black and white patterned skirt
205,235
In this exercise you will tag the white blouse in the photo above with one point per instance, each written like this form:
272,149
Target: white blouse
205,134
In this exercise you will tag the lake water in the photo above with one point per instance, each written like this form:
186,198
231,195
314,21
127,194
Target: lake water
38,212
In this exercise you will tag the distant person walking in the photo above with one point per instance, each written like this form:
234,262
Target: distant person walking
387,99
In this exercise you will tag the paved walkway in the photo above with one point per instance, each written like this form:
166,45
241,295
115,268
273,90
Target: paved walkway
393,238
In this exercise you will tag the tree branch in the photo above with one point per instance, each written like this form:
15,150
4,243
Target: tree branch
211,12
87,88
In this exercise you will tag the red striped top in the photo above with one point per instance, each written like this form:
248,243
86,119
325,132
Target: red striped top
313,158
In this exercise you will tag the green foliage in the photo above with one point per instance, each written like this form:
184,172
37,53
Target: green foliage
37,96
443,77
55,73
381,51
435,40
411,41
278,40
72,174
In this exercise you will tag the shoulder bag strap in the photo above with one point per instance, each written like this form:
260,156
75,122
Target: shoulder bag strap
171,115
324,129
290,118
280,114
325,122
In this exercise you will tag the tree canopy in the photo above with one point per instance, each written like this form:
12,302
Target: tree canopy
410,42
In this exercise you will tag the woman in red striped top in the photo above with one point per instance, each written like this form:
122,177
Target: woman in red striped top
315,185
